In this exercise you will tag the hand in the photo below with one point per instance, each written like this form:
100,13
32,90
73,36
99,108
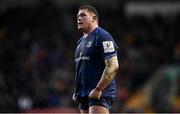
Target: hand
73,97
95,94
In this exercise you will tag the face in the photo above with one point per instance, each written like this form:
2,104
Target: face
84,20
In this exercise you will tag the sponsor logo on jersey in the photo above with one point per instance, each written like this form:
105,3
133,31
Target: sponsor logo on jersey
81,57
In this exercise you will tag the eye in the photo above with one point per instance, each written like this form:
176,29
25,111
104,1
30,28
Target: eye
83,14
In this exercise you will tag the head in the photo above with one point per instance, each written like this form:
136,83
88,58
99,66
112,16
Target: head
87,17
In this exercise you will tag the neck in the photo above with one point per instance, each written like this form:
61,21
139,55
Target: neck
90,30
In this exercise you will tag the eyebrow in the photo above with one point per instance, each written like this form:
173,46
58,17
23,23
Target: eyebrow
81,14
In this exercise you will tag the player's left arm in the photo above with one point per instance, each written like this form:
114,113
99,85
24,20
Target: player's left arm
109,72
108,75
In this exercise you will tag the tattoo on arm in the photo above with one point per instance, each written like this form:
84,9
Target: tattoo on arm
111,68
109,72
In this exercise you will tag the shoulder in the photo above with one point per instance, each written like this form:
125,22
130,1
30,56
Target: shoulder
102,33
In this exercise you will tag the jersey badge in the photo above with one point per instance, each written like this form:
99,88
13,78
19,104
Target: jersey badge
89,44
108,46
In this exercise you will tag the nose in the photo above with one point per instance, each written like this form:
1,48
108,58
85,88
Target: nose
79,18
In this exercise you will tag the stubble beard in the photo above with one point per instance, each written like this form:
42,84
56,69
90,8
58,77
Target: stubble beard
81,29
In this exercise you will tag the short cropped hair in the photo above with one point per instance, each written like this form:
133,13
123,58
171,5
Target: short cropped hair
90,9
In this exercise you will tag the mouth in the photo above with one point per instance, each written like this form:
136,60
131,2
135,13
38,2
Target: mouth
80,23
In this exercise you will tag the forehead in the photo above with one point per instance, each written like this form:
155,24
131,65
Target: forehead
85,11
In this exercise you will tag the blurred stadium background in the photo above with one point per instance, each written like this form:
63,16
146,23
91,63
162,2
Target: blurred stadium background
37,44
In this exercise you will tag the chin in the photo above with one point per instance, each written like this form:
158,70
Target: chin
80,29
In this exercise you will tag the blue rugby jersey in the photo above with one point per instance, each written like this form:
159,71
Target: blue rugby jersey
91,52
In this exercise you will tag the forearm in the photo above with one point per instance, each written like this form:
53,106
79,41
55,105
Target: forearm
109,73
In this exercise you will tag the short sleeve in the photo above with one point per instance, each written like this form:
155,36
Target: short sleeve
106,46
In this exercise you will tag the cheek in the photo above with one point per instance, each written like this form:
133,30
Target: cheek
88,21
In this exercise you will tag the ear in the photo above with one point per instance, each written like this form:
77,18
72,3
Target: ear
94,17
